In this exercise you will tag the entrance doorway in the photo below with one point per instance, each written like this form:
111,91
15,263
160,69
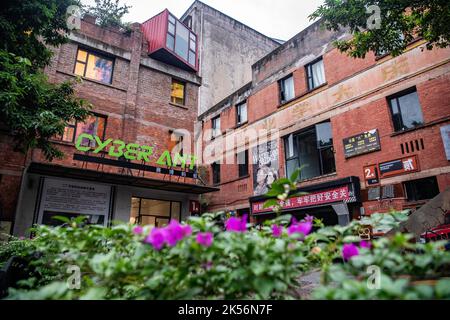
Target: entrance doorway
154,212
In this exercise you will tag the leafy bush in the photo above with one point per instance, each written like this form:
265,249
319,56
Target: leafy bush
118,263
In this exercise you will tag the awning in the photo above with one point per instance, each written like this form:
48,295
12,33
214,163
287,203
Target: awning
114,178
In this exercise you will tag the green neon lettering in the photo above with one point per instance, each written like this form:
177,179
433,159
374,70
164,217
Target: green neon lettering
101,144
193,161
132,151
165,159
145,153
119,153
181,159
80,139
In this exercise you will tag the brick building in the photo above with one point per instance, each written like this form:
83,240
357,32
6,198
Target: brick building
144,92
371,134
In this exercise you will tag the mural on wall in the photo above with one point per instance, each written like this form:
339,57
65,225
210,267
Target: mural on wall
265,166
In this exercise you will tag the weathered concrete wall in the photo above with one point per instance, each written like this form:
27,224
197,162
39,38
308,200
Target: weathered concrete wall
227,49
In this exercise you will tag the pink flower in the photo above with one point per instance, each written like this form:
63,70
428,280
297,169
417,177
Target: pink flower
303,227
349,251
138,230
174,232
237,225
205,239
187,230
277,231
365,244
156,238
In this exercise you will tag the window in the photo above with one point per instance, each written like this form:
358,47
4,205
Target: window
216,127
312,149
188,22
94,66
178,91
242,161
154,212
406,110
422,189
181,41
241,113
381,52
94,125
215,173
286,89
316,74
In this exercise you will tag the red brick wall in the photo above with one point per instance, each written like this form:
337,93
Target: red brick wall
137,106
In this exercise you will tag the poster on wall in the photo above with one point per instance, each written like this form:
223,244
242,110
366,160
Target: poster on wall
445,133
70,198
265,166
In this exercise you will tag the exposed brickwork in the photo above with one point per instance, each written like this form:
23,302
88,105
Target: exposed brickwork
365,112
136,104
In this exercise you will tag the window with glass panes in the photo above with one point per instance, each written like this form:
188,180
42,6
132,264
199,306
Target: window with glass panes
153,212
286,87
406,110
178,91
312,150
94,125
215,172
181,41
315,73
216,127
242,161
241,113
94,66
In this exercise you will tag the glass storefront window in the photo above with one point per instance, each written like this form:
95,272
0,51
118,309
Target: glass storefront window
154,212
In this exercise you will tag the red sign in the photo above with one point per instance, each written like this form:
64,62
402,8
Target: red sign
309,200
371,174
194,207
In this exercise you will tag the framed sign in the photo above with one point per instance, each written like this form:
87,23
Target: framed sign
398,167
363,143
72,198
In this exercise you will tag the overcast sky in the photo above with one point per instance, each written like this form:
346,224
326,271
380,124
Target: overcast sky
281,19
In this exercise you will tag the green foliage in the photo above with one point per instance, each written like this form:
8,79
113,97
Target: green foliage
116,264
427,19
27,27
407,271
109,13
32,109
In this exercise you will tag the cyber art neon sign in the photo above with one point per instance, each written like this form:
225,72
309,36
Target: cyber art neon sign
131,151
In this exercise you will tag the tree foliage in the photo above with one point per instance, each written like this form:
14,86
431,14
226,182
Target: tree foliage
109,13
400,22
31,109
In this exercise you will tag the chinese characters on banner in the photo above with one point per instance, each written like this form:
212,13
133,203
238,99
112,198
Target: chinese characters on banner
265,166
312,199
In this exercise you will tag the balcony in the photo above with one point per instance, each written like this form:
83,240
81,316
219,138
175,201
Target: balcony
171,42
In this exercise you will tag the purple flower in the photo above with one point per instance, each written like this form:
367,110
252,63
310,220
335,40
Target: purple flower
237,225
303,227
277,231
365,244
208,265
205,239
174,232
156,238
349,251
187,230
138,230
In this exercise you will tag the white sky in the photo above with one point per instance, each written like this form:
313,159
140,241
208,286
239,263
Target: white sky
281,19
